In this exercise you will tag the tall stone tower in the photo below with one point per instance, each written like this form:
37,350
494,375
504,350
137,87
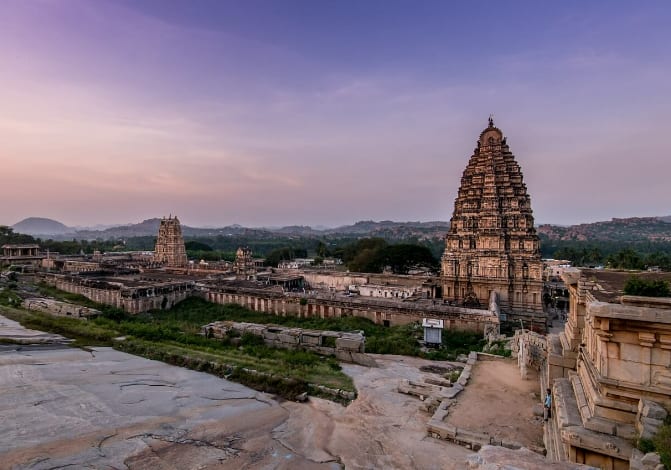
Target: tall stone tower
492,245
244,263
170,247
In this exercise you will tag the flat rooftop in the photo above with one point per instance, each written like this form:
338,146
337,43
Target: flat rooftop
141,280
610,283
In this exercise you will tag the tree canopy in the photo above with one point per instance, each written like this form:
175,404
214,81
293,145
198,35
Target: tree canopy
647,287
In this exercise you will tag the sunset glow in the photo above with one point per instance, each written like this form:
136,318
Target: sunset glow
292,112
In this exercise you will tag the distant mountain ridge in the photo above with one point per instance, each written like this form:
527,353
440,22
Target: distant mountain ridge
623,230
617,229
41,226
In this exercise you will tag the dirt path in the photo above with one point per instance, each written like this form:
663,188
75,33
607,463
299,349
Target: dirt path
499,402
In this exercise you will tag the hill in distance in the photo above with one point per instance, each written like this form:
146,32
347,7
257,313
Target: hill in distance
616,230
629,229
41,226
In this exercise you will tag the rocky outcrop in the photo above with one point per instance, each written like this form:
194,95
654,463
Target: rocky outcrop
501,458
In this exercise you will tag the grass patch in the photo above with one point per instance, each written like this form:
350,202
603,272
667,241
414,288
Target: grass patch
455,343
177,342
174,336
8,297
398,339
85,333
498,348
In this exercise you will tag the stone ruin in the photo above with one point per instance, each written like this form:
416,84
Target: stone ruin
530,348
58,308
346,346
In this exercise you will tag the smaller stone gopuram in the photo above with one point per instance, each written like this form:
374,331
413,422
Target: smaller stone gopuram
170,249
244,266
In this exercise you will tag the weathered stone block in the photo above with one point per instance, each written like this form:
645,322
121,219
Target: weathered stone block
310,339
287,338
650,409
349,343
453,391
651,458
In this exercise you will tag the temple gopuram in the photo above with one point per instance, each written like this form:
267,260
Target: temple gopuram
492,247
170,249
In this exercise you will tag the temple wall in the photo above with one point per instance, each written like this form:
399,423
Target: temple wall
155,298
376,310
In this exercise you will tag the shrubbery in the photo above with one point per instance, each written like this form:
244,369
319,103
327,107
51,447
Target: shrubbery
647,287
660,443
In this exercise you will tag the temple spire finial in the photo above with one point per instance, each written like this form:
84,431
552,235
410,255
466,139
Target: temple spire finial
491,120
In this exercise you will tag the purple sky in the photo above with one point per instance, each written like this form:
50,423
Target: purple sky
327,112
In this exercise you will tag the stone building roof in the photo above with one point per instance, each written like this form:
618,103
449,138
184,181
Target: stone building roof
606,285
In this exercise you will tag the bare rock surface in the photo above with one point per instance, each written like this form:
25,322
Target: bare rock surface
62,407
380,429
106,409
12,332
500,458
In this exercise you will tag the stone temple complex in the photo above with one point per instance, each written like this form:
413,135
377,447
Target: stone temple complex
170,249
492,246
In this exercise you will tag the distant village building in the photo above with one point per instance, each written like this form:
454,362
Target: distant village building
297,263
492,245
385,291
170,249
554,268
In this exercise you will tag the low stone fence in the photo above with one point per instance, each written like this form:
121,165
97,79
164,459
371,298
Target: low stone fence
58,308
346,346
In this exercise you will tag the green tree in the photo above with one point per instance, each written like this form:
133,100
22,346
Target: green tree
647,287
7,235
322,249
402,258
368,260
193,245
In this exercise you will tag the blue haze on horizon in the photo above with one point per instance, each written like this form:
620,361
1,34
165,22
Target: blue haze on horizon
323,113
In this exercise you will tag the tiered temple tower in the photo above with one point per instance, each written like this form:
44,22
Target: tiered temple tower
170,248
492,245
244,263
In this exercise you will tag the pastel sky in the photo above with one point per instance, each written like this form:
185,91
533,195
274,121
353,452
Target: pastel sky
326,112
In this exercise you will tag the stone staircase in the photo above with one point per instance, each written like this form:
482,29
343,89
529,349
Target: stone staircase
574,423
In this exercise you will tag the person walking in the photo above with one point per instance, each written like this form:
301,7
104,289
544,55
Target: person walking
547,405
